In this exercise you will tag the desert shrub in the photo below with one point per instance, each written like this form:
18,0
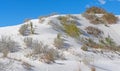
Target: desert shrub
90,43
45,53
69,27
28,41
93,31
7,45
95,10
58,42
108,42
26,29
84,48
39,47
72,30
110,18
49,56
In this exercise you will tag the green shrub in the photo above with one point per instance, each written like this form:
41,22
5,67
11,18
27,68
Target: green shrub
69,26
72,30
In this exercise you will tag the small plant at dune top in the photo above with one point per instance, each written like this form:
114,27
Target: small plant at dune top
110,18
95,10
58,42
27,20
7,45
63,19
41,19
93,31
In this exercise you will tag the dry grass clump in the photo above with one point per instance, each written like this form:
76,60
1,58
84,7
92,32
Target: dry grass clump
93,69
43,52
8,45
110,18
93,31
95,10
58,42
28,41
26,29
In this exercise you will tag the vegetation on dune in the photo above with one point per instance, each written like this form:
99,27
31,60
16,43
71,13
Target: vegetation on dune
106,18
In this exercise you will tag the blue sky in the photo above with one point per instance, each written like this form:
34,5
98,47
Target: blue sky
14,12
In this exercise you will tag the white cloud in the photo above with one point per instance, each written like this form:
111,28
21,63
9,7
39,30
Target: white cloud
102,1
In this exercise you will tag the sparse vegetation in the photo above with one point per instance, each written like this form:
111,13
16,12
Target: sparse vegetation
94,31
84,48
106,17
69,26
7,45
28,41
109,18
109,44
26,29
58,42
72,30
93,69
63,19
90,43
95,10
